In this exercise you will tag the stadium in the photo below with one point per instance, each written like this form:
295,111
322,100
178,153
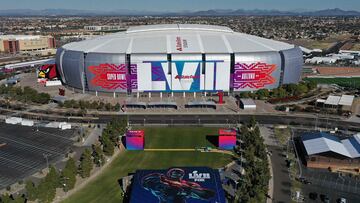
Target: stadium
178,58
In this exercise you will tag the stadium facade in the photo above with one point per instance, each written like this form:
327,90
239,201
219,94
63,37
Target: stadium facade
178,58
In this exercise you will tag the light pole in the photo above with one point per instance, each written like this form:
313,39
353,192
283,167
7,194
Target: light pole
47,161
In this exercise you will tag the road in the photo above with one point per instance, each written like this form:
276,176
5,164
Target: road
205,118
281,179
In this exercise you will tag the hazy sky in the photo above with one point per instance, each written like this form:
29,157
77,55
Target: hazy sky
176,5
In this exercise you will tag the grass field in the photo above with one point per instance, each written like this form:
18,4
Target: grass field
346,82
105,187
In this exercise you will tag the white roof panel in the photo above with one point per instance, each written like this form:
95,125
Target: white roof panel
322,144
248,102
350,148
214,44
185,43
346,100
151,44
332,100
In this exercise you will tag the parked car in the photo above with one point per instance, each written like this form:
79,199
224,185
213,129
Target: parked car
313,195
341,200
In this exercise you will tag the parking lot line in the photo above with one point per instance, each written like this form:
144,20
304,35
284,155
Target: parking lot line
25,144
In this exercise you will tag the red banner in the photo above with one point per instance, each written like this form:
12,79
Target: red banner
255,75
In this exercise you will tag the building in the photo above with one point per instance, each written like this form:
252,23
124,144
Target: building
178,58
343,102
247,104
322,150
104,28
25,43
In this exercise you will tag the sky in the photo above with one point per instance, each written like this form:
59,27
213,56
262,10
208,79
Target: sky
180,5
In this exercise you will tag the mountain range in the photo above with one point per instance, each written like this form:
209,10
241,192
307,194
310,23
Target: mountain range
214,12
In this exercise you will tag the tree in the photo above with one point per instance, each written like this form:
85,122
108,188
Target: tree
263,93
282,92
19,199
31,190
253,186
312,84
252,122
5,198
108,146
86,164
53,177
98,154
301,89
108,106
46,189
290,88
244,95
68,177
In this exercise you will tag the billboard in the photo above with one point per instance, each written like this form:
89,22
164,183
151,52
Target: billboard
135,140
109,72
183,185
184,73
253,72
47,72
227,139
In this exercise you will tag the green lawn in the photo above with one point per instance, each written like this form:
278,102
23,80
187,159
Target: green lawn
105,188
177,137
346,82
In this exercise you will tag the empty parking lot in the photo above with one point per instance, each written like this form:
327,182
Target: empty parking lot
25,150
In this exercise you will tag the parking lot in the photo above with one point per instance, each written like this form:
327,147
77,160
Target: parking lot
333,185
26,150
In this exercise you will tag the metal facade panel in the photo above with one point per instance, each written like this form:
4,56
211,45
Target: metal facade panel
186,71
254,71
73,67
221,67
293,65
58,61
106,72
153,72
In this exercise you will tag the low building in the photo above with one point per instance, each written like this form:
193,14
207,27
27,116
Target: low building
247,104
322,150
343,102
25,43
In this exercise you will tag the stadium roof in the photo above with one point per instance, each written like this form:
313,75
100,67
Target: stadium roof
317,143
177,38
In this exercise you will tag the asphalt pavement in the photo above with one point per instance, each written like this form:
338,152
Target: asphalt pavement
281,179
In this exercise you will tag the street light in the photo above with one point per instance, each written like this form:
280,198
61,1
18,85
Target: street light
47,161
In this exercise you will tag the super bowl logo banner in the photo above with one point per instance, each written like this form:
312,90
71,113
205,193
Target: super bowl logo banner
253,76
177,185
114,76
